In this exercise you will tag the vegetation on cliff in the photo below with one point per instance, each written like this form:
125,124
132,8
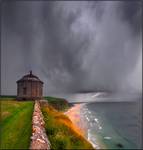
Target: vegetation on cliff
58,103
16,124
61,132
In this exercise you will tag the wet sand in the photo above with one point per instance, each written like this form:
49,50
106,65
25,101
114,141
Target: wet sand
75,115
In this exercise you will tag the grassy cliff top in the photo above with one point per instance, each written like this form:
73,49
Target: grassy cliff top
58,103
15,124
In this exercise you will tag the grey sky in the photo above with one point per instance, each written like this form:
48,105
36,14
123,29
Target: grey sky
72,46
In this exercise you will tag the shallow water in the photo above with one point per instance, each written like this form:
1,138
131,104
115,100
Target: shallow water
114,124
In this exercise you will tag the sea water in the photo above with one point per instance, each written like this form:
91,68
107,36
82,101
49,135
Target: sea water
114,121
114,124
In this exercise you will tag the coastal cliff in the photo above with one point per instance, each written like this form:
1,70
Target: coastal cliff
61,131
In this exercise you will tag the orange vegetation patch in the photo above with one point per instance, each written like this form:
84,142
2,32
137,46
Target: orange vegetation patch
66,119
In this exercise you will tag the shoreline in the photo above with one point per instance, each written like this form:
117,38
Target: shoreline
74,114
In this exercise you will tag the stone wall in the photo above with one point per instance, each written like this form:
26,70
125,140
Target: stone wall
39,139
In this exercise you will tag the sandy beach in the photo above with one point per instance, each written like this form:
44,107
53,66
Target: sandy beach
74,113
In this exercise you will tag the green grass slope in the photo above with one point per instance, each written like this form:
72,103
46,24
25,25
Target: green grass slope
15,124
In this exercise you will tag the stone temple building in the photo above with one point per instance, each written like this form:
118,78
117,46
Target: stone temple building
29,87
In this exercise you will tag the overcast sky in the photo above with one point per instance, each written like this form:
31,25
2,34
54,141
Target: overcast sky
72,46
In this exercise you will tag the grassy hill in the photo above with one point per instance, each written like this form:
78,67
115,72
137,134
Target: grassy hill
15,124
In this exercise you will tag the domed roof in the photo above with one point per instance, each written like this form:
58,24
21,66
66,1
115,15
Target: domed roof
30,77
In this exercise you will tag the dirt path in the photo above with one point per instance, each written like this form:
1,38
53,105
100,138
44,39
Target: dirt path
39,139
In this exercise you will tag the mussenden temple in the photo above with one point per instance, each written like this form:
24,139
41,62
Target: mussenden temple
29,87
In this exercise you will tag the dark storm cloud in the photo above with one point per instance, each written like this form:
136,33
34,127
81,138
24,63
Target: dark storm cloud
132,14
72,46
